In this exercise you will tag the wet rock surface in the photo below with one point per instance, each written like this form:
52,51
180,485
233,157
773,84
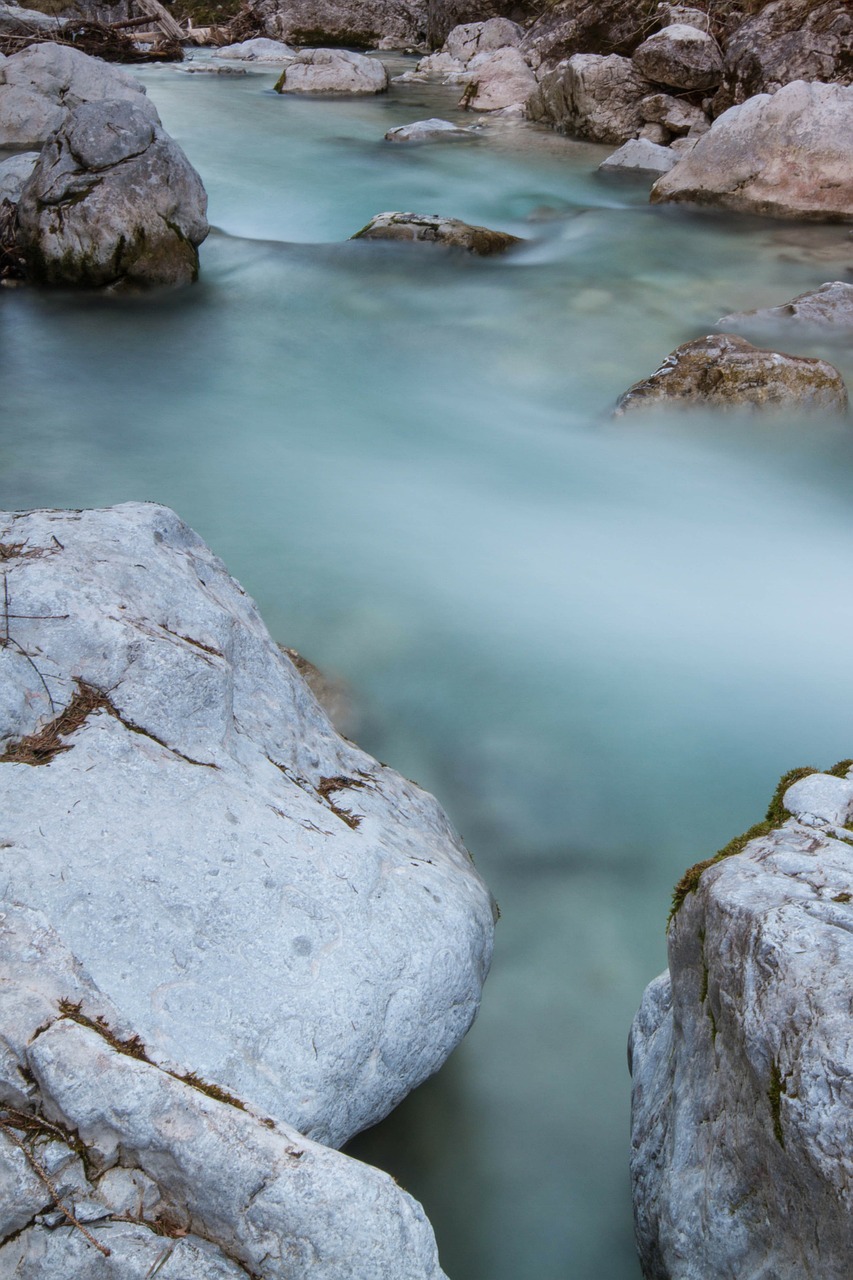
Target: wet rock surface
418,228
723,371
432,130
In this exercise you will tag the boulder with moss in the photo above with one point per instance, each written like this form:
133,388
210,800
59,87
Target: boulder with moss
741,1058
433,229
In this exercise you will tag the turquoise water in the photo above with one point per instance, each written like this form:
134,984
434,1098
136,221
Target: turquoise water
598,643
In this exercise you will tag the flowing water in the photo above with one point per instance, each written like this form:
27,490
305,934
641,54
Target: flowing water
599,643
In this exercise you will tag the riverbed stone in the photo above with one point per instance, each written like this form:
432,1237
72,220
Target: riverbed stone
681,56
830,306
497,81
433,130
45,81
333,71
639,155
420,228
259,49
593,97
785,155
257,899
725,372
436,66
112,201
742,1061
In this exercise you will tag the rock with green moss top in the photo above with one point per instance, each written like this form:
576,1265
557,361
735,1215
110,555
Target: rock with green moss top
112,201
424,228
725,372
741,1057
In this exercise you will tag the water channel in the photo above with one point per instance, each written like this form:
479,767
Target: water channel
599,643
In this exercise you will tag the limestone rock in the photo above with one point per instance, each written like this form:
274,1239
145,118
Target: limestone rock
466,41
260,49
436,66
788,40
362,24
655,133
785,156
14,173
112,201
742,1060
497,80
671,14
333,71
433,130
43,82
137,1252
566,27
17,21
444,15
723,371
639,155
259,900
681,56
829,306
592,97
433,229
674,114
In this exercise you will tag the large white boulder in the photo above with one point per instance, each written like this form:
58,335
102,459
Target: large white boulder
261,901
592,96
333,71
742,1058
42,83
784,156
681,56
112,201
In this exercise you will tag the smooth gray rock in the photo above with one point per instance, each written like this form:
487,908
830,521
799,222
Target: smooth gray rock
783,156
45,81
112,201
14,173
469,39
829,306
725,372
433,130
592,97
681,56
639,155
497,80
258,899
259,49
333,71
742,1063
426,228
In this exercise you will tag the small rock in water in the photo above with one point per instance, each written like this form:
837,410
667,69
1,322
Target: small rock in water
427,228
433,130
830,305
723,371
206,69
258,50
639,155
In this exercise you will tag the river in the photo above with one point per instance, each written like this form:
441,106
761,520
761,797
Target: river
599,643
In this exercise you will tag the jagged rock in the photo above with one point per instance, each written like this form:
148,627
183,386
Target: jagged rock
260,901
830,305
674,114
112,201
742,1060
362,24
497,80
592,97
681,56
260,49
785,155
333,71
567,27
433,130
42,83
466,41
788,40
424,228
723,371
14,173
639,155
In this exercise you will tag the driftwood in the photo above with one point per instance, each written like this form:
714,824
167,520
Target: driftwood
100,40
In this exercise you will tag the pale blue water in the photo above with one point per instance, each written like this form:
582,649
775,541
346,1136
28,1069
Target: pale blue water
599,644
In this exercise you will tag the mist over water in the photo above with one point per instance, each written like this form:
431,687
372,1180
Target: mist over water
599,643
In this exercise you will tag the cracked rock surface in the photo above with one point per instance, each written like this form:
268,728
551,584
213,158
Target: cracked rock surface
112,201
256,898
742,1059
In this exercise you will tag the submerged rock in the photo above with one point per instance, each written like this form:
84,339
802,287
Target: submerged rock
259,49
41,84
425,228
830,305
333,71
592,97
113,201
260,901
785,156
742,1060
433,130
723,371
681,56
